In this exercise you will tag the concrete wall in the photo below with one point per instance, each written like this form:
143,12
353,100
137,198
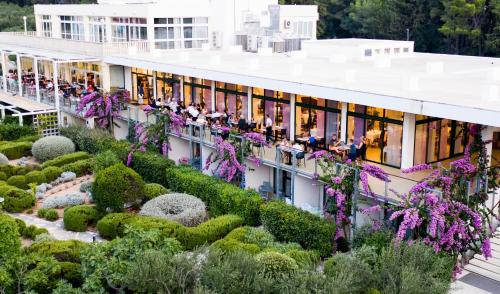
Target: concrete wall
307,193
121,131
180,149
255,176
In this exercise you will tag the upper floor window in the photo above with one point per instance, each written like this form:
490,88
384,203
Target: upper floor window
97,29
176,33
303,28
126,29
46,26
72,27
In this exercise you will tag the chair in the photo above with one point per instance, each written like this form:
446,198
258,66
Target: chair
301,156
282,133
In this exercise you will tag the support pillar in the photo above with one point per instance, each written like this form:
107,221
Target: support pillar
155,94
212,98
292,117
37,79
487,134
408,146
56,91
343,123
19,74
249,104
5,72
105,77
182,89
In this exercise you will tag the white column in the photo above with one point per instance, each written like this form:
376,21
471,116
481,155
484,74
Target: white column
5,72
292,117
212,98
182,89
108,29
56,92
343,123
105,77
86,29
19,74
408,146
487,135
37,79
249,104
155,94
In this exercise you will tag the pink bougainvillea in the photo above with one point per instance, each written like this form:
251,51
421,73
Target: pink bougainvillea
105,108
225,157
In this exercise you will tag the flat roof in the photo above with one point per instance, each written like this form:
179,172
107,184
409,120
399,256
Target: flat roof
24,103
466,89
58,56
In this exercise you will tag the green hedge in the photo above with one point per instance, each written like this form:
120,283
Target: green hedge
15,150
51,173
290,224
66,159
220,197
11,132
80,167
153,190
18,181
36,176
68,251
78,218
114,224
151,166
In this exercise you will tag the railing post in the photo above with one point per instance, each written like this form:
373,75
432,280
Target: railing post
354,205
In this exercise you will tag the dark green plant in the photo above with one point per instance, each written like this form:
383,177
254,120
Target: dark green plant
51,215
36,176
80,167
11,132
151,166
78,218
51,173
153,190
15,199
66,159
18,181
16,150
115,186
68,250
104,160
210,231
349,271
10,243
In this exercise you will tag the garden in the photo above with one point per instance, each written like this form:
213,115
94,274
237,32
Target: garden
169,228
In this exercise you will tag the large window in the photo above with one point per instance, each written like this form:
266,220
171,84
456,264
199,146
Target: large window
383,130
168,86
125,29
275,104
231,98
198,91
72,27
46,22
142,85
85,74
97,28
176,33
317,117
438,139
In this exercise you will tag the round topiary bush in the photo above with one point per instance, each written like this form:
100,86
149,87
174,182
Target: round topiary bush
52,172
51,215
17,200
277,265
51,147
18,181
115,186
3,159
10,242
36,177
182,208
77,218
153,190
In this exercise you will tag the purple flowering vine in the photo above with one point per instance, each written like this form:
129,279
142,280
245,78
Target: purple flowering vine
105,108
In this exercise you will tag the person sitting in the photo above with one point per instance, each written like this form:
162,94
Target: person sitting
300,154
313,143
334,145
242,124
362,148
353,150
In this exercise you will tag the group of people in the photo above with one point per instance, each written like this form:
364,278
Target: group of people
354,151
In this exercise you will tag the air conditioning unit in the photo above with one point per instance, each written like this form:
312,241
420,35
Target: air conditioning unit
216,39
287,24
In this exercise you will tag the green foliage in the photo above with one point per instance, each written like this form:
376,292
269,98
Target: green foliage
66,159
115,186
16,150
277,265
153,190
51,215
304,258
3,176
15,199
50,147
151,166
220,197
12,132
10,243
64,251
232,245
78,218
32,231
18,181
351,272
51,173
80,167
113,224
377,239
30,138
290,224
42,212
210,231
104,160
36,176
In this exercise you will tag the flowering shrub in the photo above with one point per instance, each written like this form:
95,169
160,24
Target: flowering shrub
104,107
256,139
156,136
183,208
51,147
63,201
225,158
3,159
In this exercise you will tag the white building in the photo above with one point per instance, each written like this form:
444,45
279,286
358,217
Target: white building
412,107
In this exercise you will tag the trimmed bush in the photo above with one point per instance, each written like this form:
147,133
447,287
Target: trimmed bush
42,212
17,200
3,159
234,246
113,224
63,251
290,224
36,176
31,138
13,131
51,215
7,169
16,150
51,147
80,167
9,237
51,173
78,218
31,232
3,176
66,159
277,265
153,190
182,208
220,197
104,160
210,231
115,186
304,258
151,166
63,201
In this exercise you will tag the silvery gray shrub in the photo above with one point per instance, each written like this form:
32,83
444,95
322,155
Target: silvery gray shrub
51,147
182,208
86,187
63,201
3,159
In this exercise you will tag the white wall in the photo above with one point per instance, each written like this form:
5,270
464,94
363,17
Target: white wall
180,149
255,176
117,76
307,193
121,131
